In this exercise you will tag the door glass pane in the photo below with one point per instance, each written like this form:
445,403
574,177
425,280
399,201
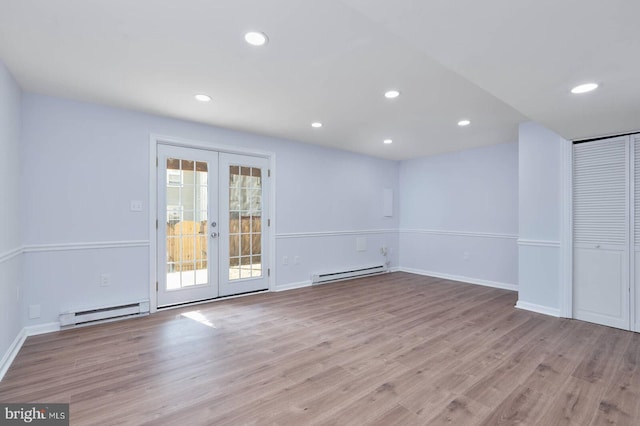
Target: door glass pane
245,222
187,218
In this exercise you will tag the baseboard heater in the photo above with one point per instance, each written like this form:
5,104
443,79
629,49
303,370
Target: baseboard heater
347,274
110,313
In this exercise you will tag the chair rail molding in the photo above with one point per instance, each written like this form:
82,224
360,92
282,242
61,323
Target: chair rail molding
10,254
459,233
335,233
94,245
538,243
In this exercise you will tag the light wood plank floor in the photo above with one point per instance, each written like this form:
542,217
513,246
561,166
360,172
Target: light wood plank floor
394,349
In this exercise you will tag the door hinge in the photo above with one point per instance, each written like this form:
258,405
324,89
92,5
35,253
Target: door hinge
268,172
157,162
156,223
156,286
268,222
268,272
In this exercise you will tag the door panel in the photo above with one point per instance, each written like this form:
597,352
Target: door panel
636,296
601,296
243,224
635,232
601,232
187,225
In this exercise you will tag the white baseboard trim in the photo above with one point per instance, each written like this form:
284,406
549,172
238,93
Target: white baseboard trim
293,286
469,280
15,347
546,310
50,327
395,269
12,352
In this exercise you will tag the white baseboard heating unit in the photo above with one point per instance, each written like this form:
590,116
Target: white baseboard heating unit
111,313
347,274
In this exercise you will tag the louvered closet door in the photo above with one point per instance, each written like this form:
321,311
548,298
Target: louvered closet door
635,293
601,232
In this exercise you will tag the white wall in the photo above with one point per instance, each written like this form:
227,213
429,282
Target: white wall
459,215
87,162
10,211
540,211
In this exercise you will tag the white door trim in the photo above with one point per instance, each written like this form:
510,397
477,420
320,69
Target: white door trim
154,141
566,230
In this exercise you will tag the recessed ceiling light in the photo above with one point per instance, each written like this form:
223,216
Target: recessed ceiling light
463,123
584,88
316,124
255,38
203,98
387,141
391,94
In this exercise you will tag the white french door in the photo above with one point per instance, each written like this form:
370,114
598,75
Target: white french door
212,224
187,225
244,224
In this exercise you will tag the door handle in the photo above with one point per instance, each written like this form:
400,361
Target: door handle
214,234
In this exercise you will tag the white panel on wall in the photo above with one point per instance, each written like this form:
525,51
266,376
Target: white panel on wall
361,243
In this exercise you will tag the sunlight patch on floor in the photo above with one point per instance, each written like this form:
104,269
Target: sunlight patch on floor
197,316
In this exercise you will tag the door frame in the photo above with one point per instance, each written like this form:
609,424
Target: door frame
154,141
566,230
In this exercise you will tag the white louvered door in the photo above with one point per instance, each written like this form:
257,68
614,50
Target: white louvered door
635,246
601,231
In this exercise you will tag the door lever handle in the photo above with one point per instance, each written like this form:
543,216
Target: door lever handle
214,234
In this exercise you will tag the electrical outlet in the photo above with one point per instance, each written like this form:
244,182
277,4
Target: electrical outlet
136,206
105,280
383,250
466,255
296,260
34,311
285,260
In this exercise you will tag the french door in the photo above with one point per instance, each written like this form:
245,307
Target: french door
211,224
243,224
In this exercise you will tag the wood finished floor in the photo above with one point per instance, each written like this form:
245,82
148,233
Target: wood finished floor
397,349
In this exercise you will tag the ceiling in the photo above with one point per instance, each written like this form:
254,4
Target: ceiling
495,62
